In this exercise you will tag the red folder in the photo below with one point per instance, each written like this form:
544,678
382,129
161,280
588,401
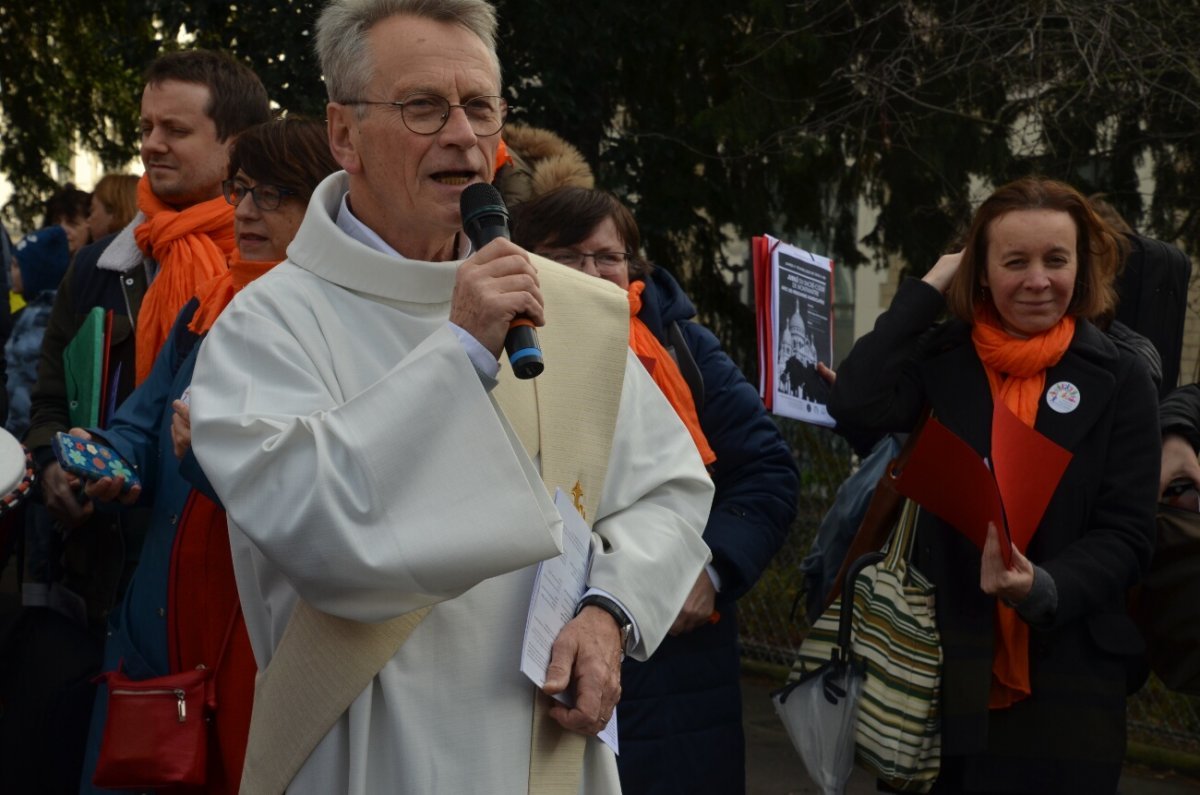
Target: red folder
760,257
946,477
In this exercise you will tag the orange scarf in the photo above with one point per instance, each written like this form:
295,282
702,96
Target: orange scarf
191,246
1016,372
216,293
665,372
503,158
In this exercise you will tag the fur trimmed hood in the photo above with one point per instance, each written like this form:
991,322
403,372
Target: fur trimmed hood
541,162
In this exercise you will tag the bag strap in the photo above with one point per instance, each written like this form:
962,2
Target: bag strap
846,614
679,350
211,685
899,546
233,614
883,511
332,660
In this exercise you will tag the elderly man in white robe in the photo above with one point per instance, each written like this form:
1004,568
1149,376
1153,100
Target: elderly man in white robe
344,410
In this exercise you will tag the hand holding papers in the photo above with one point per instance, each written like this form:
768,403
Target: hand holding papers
557,587
946,477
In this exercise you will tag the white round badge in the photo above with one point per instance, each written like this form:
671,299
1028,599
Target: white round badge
1063,397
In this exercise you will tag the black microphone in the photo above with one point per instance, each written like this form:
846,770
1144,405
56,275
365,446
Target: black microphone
485,218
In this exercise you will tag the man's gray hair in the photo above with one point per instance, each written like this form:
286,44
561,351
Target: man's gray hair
341,40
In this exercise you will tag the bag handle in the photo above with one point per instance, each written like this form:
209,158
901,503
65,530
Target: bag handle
233,615
210,687
882,511
846,614
899,547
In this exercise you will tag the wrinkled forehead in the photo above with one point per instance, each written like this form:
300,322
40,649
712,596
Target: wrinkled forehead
409,54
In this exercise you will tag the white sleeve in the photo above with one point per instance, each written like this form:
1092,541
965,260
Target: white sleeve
370,500
647,538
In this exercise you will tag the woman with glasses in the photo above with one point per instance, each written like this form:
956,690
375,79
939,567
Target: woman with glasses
680,717
181,609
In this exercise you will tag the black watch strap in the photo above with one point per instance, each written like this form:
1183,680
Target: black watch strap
624,622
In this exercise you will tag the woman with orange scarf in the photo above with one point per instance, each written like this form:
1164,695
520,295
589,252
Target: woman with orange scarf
1035,653
181,608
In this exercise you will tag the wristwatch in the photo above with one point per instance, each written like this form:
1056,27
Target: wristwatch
624,623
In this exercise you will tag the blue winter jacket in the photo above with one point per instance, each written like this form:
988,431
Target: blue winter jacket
22,352
140,431
680,717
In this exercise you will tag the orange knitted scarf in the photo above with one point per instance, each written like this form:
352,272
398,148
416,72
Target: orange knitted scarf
191,246
1016,372
665,372
503,157
216,293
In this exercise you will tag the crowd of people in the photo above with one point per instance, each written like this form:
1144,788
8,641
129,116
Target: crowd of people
344,491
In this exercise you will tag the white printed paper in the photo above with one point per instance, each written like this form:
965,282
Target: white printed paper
802,317
557,588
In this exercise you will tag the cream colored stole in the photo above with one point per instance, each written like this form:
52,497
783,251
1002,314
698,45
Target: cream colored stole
567,415
585,342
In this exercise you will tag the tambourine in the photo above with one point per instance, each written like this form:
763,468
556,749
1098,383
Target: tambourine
16,472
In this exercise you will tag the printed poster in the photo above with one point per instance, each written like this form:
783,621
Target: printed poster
799,328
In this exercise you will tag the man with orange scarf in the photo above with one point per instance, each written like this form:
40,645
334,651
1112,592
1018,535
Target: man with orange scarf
1037,652
193,106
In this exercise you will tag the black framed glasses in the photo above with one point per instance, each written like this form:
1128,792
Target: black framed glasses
266,197
604,260
426,114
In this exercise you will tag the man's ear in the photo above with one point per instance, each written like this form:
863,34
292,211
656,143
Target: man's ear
343,136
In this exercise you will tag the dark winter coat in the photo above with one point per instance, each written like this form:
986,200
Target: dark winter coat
101,554
1179,413
1095,540
680,716
85,286
1153,289
22,352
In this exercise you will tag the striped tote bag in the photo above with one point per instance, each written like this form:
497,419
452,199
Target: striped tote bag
894,638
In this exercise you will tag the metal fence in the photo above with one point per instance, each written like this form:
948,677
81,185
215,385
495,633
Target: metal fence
770,632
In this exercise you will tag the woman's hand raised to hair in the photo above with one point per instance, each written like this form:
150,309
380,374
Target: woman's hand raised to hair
943,271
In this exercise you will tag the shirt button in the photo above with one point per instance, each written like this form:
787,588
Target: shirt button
162,611
129,281
174,519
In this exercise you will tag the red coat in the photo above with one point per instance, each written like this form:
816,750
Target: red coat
203,598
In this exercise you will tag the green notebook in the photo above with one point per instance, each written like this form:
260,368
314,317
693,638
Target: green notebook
83,365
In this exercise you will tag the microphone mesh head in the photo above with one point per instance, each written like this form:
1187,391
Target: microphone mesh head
480,198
